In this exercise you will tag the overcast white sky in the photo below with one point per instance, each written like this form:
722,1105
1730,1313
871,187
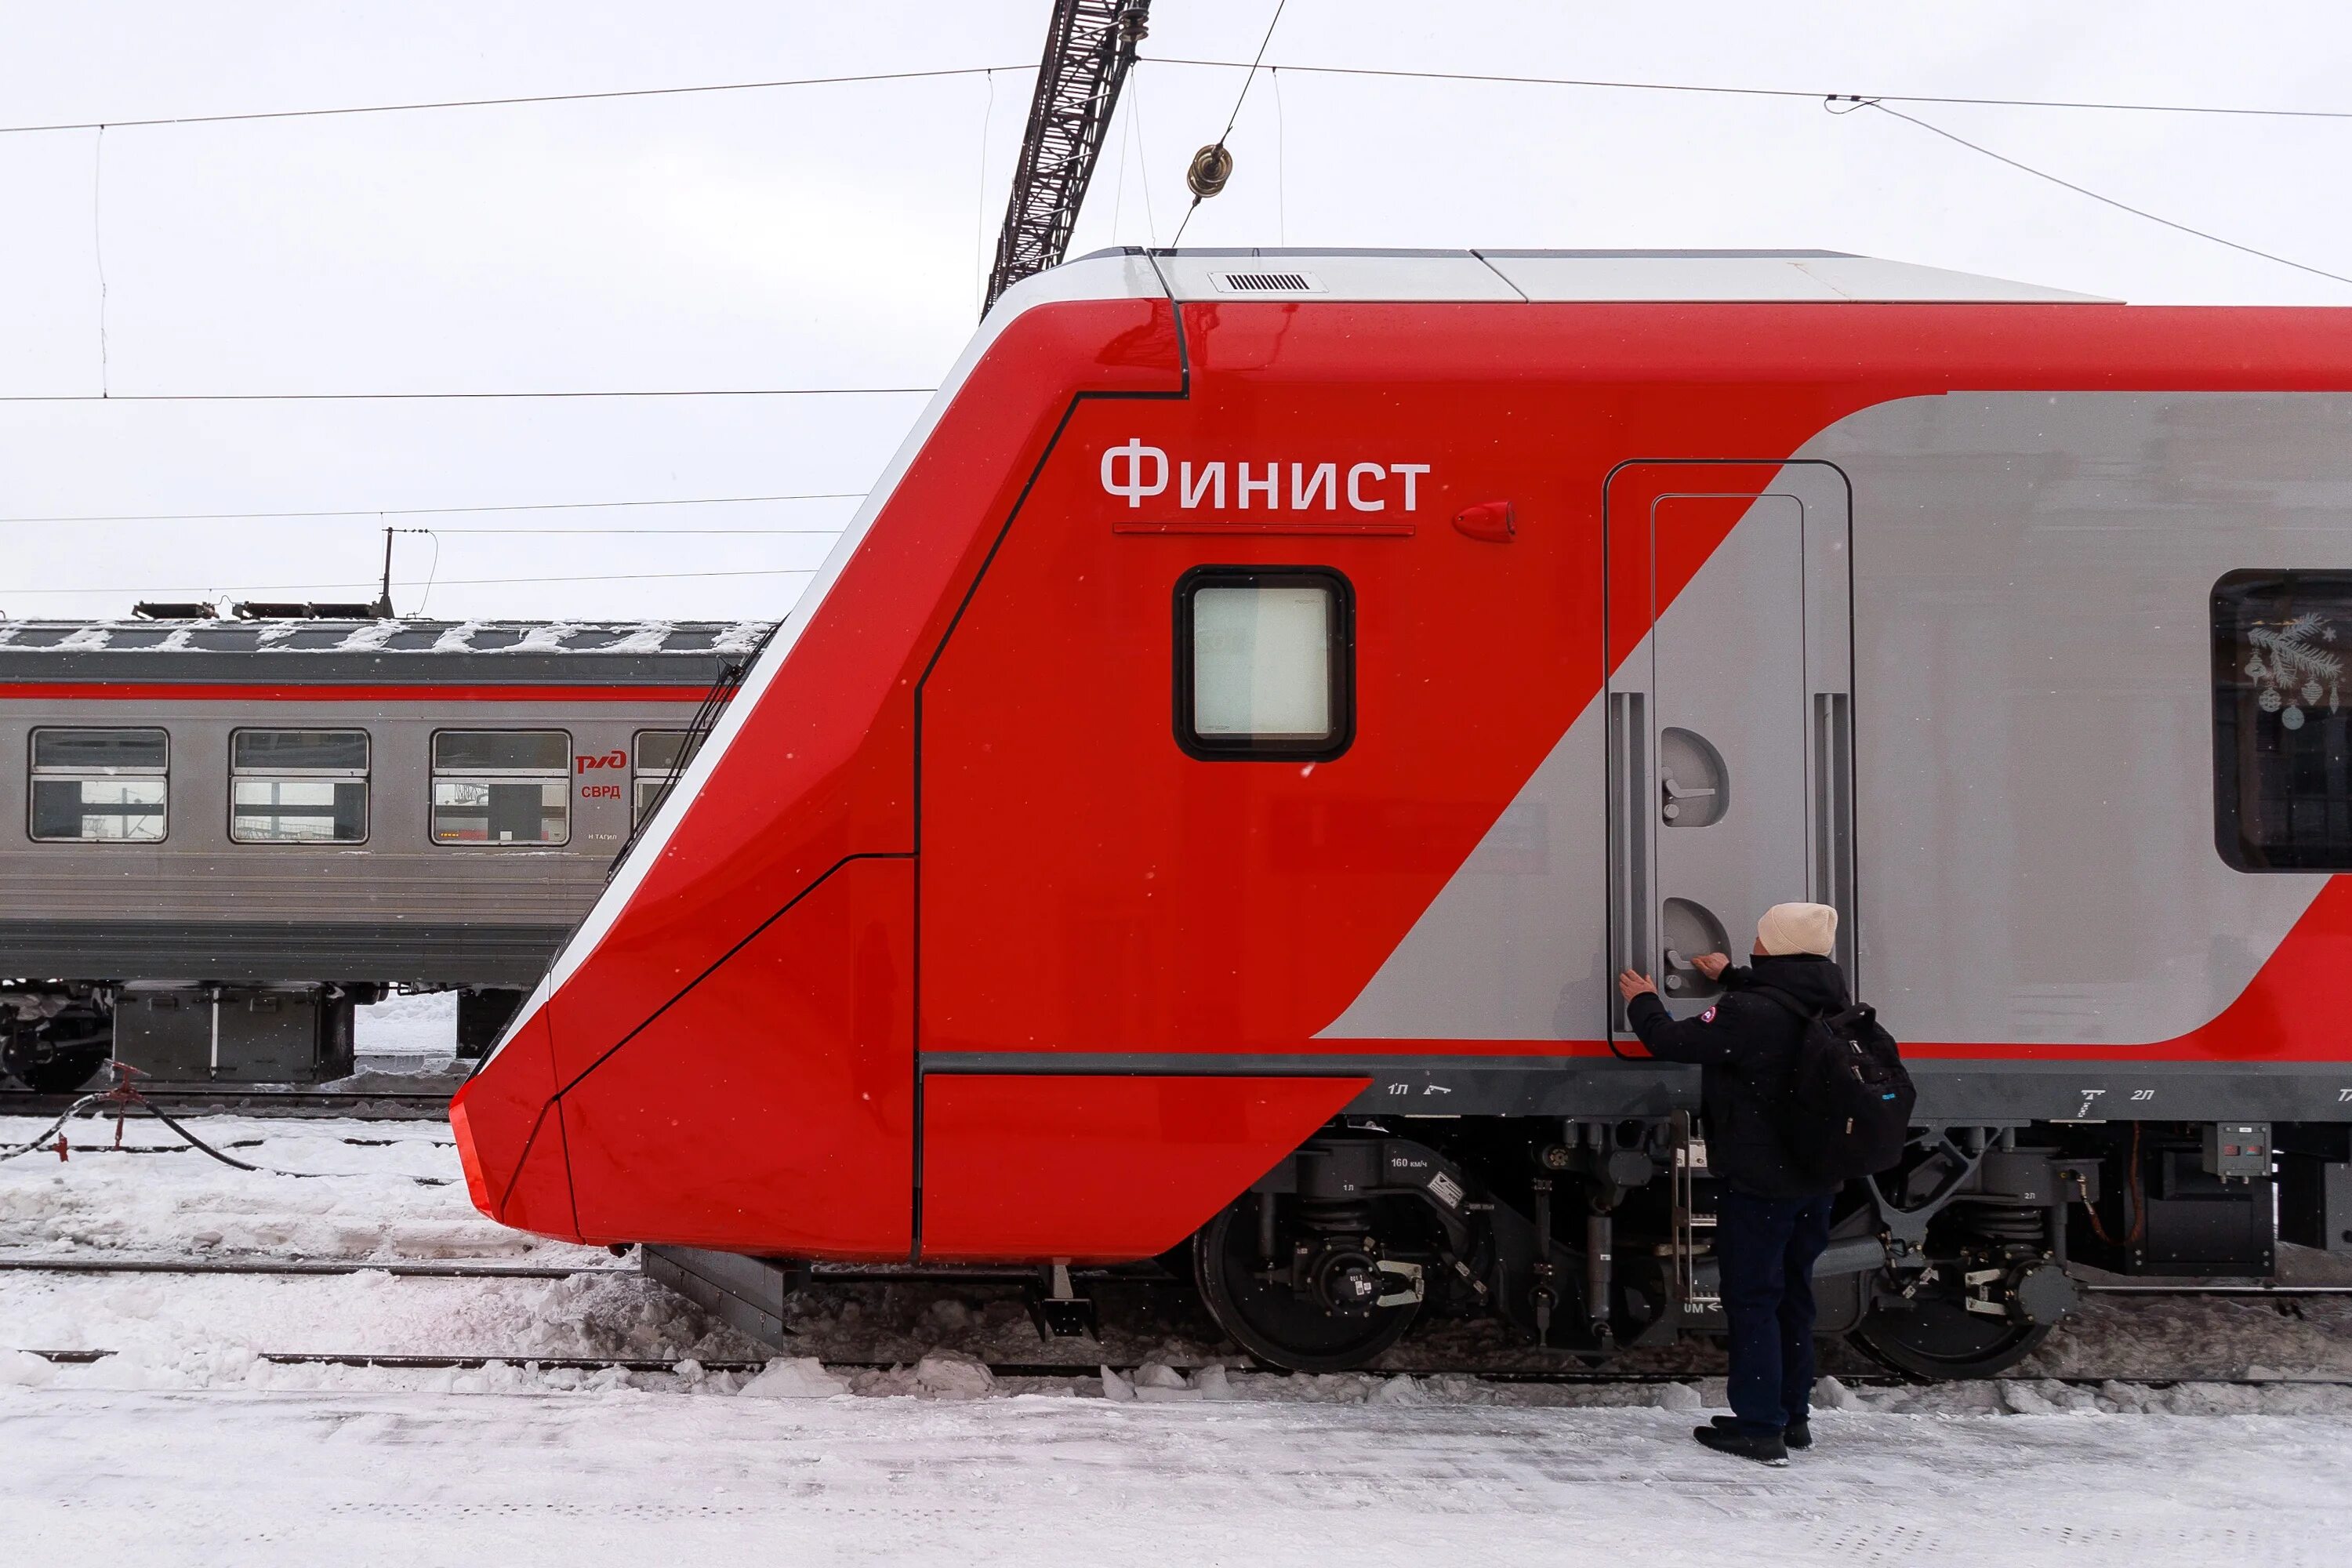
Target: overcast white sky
838,235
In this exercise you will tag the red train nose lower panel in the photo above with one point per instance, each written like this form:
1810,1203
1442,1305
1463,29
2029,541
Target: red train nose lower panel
494,1116
770,1107
1101,1169
540,1198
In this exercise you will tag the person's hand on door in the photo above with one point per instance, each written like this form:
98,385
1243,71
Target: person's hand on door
1630,984
1711,965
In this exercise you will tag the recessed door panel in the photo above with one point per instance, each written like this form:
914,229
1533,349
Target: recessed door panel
1728,708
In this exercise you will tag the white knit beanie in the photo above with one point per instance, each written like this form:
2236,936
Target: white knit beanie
1798,927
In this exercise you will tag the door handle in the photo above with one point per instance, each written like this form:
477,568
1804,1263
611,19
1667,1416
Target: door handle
1690,927
1675,795
1701,803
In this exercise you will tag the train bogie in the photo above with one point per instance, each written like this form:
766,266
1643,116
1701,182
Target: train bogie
1262,707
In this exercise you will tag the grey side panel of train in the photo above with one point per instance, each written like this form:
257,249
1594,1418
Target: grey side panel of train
2034,656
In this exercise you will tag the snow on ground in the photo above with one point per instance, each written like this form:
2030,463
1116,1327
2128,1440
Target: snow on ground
386,1190
407,1034
185,1445
624,1477
402,1025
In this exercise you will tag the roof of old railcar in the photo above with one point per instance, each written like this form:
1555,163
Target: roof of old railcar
391,652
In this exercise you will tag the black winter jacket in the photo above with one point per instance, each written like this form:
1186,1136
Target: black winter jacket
1748,1045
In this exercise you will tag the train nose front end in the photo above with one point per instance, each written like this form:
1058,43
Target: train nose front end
509,1128
724,1054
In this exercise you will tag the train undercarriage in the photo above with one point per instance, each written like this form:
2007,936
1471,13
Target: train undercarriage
57,1034
1591,1239
55,1037
1595,1237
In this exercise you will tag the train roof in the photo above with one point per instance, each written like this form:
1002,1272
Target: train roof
391,652
1548,275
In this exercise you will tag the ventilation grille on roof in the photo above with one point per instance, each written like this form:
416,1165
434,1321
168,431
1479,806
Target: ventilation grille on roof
1267,282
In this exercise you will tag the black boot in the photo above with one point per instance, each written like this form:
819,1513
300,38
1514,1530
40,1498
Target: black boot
1796,1435
1764,1447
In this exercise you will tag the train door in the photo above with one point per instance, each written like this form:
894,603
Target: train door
1729,711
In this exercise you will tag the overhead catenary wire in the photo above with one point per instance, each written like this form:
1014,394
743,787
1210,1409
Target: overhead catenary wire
1231,119
381,511
431,571
458,396
2103,200
97,253
980,242
1880,101
650,532
446,582
513,101
126,121
1619,85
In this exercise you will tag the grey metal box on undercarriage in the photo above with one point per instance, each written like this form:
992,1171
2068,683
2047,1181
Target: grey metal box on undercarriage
232,1033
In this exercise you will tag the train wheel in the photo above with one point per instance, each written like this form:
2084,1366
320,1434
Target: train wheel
1305,1329
1937,1337
51,1069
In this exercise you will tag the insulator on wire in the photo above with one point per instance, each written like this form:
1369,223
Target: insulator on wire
1212,166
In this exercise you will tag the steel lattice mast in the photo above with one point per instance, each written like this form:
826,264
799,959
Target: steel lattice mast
1089,47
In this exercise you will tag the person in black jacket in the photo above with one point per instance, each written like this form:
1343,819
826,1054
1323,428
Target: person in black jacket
1772,1218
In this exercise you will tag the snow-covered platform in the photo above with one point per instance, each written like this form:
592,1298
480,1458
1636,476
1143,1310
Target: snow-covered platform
186,1445
641,1478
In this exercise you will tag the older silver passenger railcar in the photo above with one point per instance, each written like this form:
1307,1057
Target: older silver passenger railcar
217,837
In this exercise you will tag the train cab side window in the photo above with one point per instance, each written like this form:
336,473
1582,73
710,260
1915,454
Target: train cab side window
2282,731
100,787
501,786
661,756
1265,663
297,786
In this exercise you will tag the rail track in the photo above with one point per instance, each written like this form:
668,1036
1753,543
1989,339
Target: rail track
1064,1371
1577,1376
363,1105
302,1267
493,1269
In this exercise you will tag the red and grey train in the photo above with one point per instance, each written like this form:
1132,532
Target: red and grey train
1198,810
229,833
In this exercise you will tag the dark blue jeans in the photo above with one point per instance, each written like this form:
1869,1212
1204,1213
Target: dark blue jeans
1767,1247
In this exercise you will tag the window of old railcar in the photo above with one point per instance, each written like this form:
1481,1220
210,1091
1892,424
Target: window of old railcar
501,786
100,787
661,756
2281,732
297,786
1265,663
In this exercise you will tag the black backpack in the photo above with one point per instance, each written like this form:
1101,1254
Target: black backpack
1848,1112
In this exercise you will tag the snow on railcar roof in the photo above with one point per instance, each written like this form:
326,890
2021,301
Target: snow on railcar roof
1725,277
384,636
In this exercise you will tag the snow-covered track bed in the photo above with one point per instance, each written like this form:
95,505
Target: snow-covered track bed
999,1372
301,1268
363,1105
